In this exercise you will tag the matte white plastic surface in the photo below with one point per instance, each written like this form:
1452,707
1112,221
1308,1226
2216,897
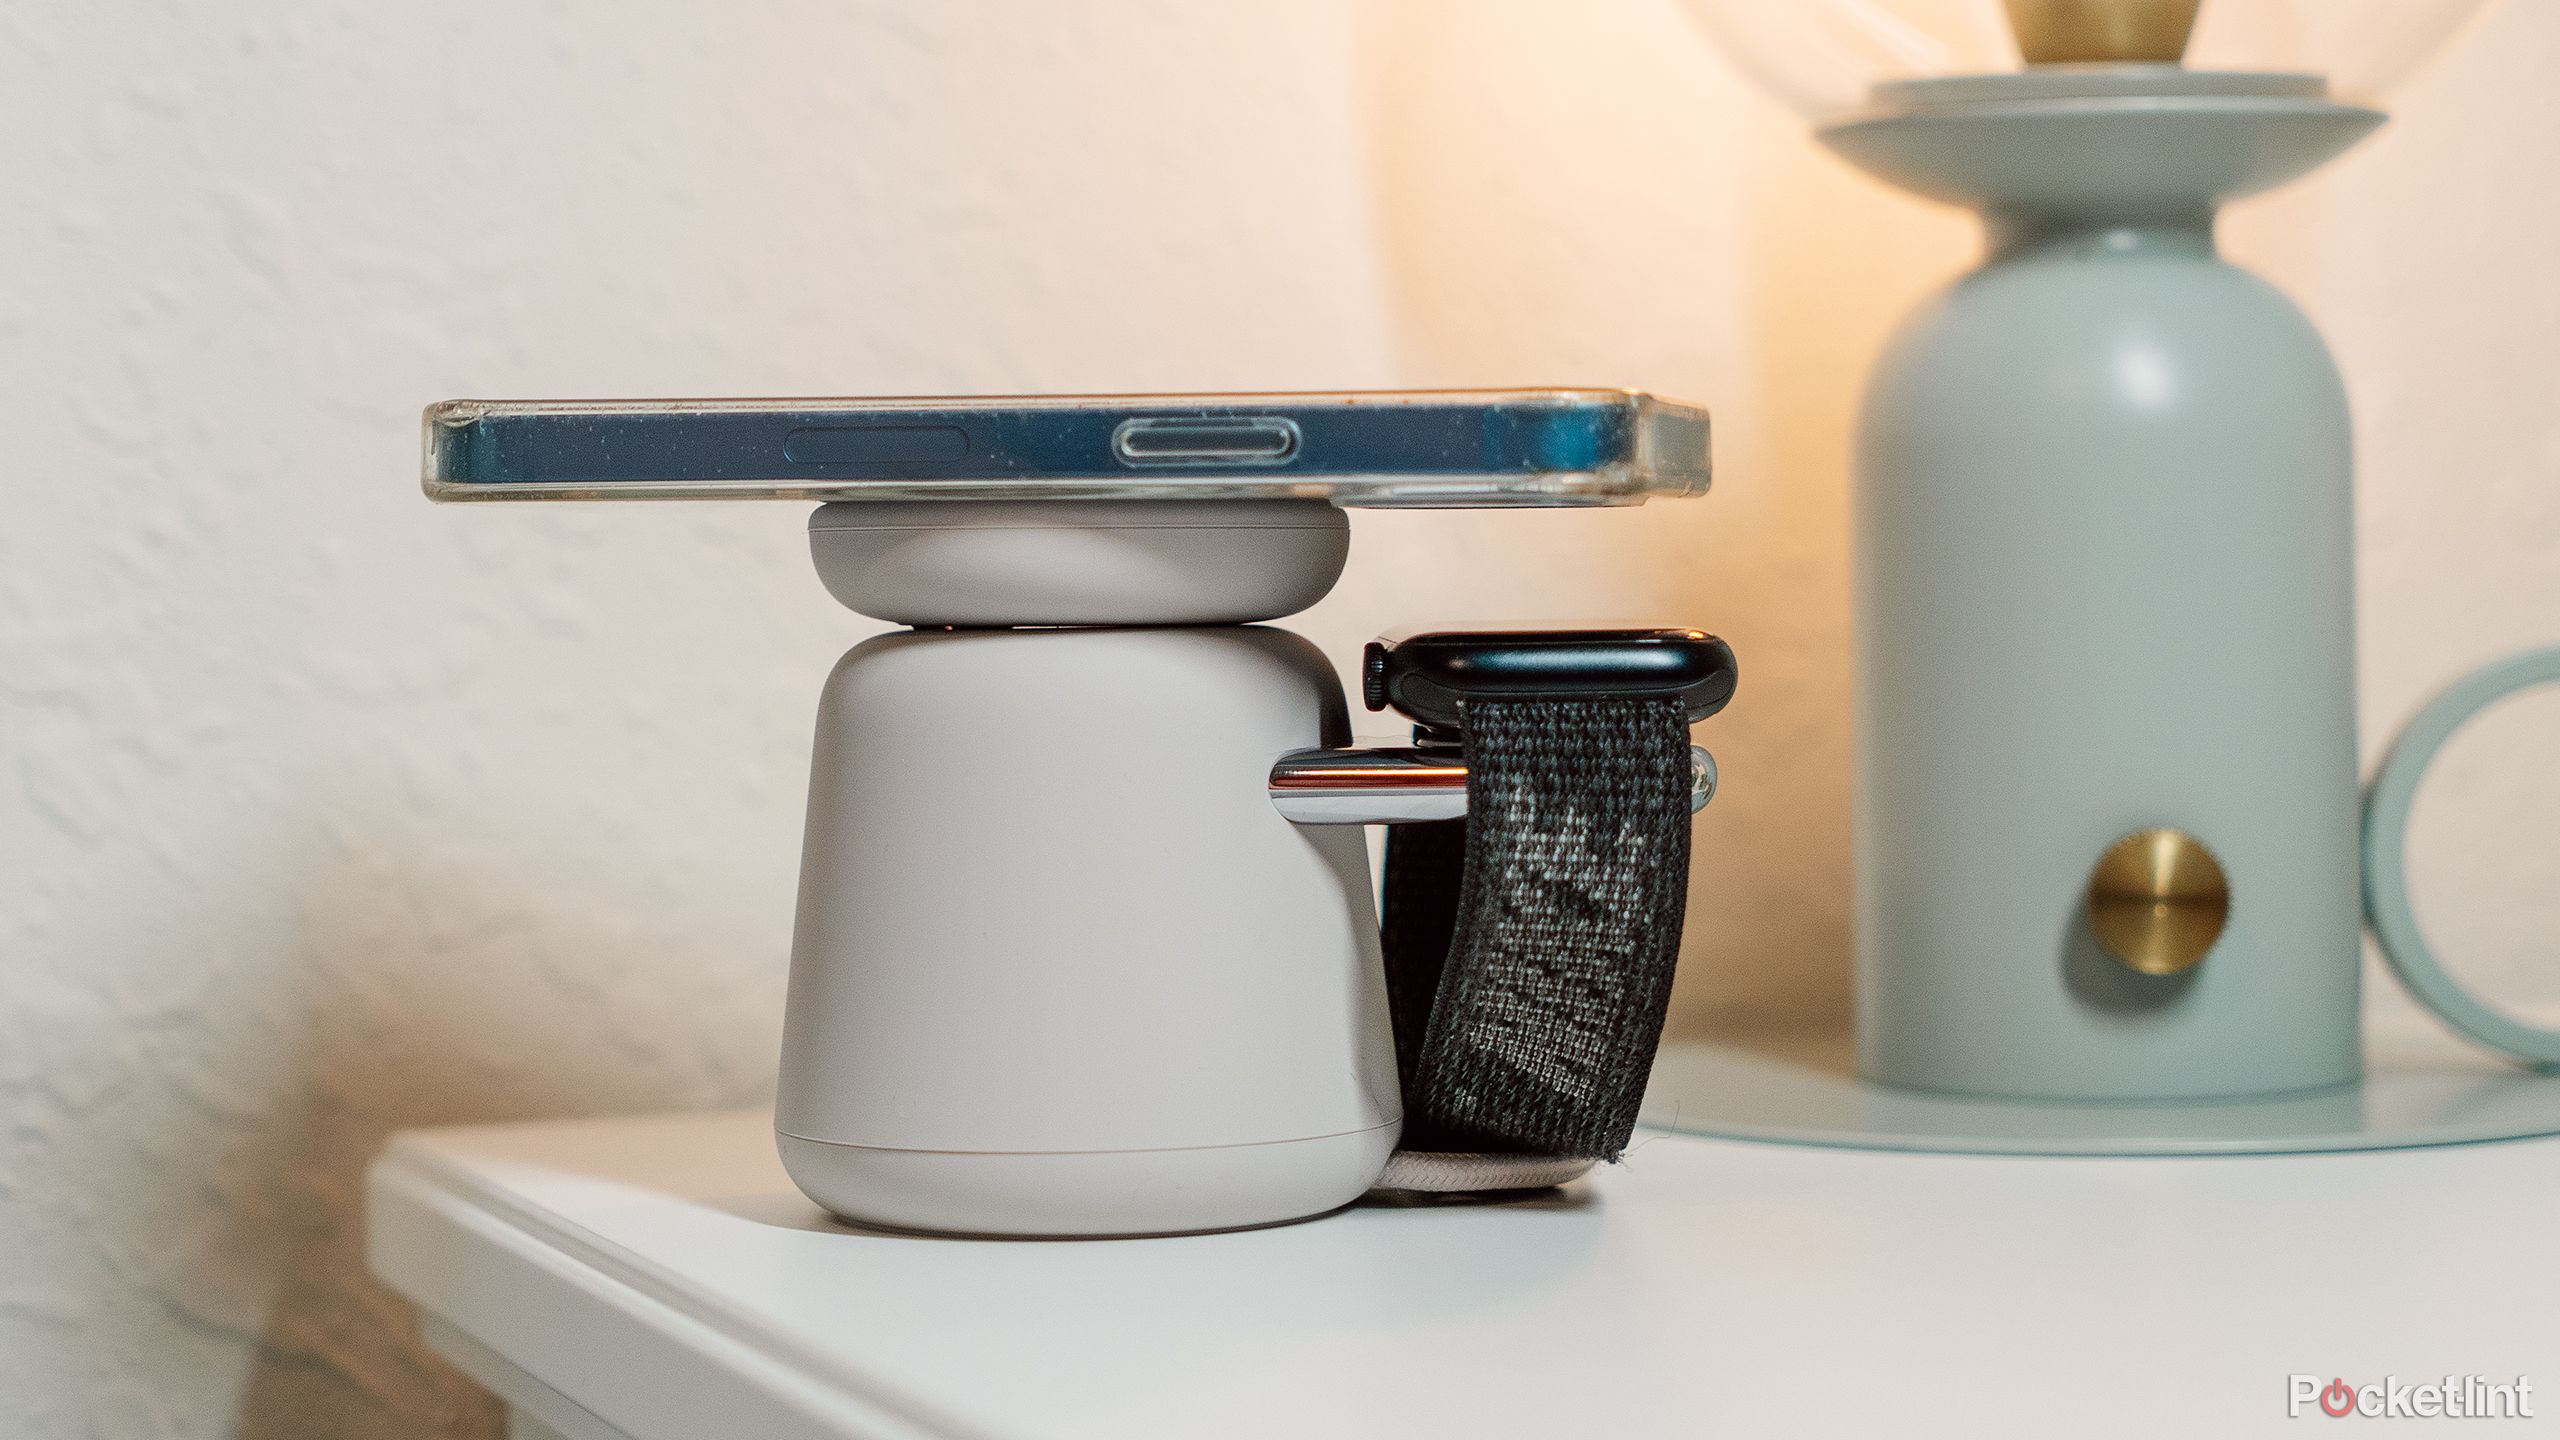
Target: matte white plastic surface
1084,562
1091,1192
1047,907
663,1274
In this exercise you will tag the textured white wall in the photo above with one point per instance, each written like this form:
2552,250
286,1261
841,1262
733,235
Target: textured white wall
323,813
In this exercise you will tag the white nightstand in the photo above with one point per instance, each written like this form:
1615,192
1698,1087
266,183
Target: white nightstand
659,1279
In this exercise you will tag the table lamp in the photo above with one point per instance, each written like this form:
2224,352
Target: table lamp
2108,874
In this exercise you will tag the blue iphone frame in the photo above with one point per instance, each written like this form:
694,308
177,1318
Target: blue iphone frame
1413,447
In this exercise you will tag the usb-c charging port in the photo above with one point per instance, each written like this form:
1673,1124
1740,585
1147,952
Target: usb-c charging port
1250,440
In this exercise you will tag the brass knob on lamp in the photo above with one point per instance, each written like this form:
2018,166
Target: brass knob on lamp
2158,901
2101,32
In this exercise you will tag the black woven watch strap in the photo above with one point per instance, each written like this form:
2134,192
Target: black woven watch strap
1530,946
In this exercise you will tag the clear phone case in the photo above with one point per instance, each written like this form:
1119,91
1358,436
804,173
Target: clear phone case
1411,448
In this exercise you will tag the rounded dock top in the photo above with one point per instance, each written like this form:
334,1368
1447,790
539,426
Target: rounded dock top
1081,562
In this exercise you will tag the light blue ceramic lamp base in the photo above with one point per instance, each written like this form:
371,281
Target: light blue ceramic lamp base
2105,585
2415,1092
2417,1089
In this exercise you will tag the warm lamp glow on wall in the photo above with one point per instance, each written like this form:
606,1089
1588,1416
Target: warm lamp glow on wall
2108,802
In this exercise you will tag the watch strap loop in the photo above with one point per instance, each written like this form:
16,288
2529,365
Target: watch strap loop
1530,947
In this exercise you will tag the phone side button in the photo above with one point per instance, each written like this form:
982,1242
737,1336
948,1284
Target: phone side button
1238,440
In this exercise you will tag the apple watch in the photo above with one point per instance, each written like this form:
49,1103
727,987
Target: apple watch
1429,675
1530,945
